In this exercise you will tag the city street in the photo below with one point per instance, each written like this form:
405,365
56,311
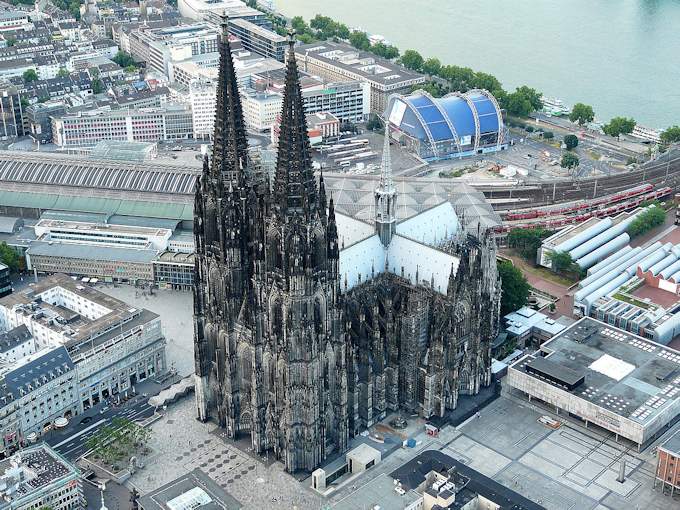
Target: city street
72,441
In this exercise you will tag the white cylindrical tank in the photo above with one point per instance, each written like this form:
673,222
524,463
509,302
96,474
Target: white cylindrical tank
604,290
670,270
596,255
600,239
609,260
588,233
618,266
654,257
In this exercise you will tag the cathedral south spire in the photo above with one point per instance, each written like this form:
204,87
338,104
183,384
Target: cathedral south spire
230,145
386,196
294,185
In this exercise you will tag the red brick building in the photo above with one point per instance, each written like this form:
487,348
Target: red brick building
668,465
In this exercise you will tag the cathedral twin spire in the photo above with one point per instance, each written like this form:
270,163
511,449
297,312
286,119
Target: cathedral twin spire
230,144
295,190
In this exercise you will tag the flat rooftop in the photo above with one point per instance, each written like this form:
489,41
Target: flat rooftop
195,490
672,444
53,224
628,375
61,319
378,493
41,465
365,64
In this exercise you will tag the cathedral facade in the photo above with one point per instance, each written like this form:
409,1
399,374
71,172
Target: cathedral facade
310,325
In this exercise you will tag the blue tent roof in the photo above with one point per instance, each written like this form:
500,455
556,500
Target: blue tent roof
459,110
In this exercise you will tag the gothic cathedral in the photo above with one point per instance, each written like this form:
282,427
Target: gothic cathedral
310,326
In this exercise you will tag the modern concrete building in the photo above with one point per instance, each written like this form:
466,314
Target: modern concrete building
258,39
202,99
606,377
86,129
341,62
38,477
158,47
112,344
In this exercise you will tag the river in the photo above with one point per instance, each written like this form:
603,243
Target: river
620,56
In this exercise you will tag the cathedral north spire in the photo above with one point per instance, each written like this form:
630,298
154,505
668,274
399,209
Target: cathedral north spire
294,185
230,145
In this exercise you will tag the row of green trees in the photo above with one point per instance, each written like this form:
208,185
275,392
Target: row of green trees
451,78
527,241
647,220
119,441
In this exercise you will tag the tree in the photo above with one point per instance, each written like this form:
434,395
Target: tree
413,60
97,86
433,88
647,220
548,135
63,72
432,66
30,75
123,59
582,113
562,262
523,101
130,69
619,126
460,79
359,40
385,50
11,41
515,288
298,24
9,257
570,142
486,81
569,160
527,241
671,135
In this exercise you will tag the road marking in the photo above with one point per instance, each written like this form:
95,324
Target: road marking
71,438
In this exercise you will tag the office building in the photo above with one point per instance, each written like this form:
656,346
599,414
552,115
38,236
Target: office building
348,101
606,377
112,344
87,128
341,62
38,477
202,100
158,47
259,39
